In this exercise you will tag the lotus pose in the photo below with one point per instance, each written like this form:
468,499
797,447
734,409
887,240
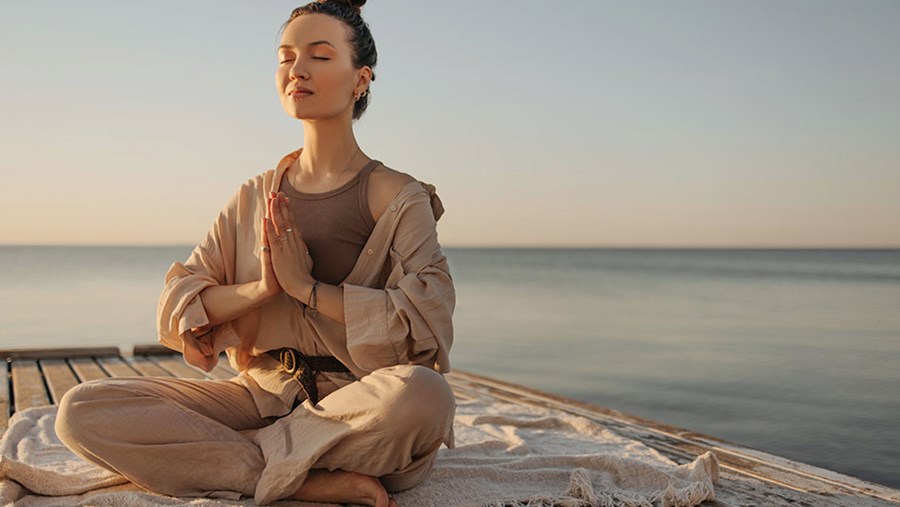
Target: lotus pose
324,283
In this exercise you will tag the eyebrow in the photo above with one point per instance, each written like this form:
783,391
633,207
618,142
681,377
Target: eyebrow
313,43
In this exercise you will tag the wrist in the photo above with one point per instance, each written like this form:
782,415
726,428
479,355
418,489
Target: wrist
303,290
312,301
260,294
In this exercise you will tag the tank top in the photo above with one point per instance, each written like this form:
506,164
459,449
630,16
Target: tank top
335,225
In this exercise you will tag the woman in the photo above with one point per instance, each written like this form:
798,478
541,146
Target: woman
324,283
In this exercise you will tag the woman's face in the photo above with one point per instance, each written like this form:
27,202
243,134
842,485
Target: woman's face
315,54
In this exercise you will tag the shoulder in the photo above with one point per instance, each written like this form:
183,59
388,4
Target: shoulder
384,185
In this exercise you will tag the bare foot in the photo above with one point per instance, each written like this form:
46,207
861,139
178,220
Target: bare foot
342,486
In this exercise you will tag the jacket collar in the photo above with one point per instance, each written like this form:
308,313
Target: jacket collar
412,187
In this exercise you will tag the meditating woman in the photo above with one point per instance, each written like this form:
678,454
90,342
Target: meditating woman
324,283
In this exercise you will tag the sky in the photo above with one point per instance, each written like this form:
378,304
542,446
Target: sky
541,124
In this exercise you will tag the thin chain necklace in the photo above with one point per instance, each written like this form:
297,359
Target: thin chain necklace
337,178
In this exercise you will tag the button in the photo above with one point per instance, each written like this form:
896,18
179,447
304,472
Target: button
394,207
370,251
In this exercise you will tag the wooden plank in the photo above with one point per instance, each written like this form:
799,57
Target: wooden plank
152,349
177,367
5,405
146,366
174,365
747,476
223,370
28,385
174,362
58,352
772,480
732,490
60,378
87,369
116,367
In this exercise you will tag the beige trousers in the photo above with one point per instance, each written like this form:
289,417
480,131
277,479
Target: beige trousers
187,437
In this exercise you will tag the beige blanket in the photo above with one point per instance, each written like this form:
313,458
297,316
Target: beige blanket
506,455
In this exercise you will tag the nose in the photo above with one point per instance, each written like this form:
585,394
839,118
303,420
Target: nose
297,70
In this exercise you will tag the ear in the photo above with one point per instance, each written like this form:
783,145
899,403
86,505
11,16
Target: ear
365,76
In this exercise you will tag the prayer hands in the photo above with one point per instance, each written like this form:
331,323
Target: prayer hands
268,283
290,259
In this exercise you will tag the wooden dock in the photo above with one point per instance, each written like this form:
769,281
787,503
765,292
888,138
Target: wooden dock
747,477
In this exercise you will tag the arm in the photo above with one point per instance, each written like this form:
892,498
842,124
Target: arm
410,320
329,299
224,303
182,308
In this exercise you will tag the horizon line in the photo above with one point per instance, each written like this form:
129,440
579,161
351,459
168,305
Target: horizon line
517,246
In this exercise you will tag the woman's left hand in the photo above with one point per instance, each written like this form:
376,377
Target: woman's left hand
290,257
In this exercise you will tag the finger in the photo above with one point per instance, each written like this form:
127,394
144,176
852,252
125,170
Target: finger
191,344
273,218
270,212
204,347
288,216
276,220
296,246
201,343
281,209
270,232
207,342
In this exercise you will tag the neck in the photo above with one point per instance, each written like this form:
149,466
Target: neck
328,148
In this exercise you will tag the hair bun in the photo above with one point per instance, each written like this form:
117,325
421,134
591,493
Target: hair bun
356,5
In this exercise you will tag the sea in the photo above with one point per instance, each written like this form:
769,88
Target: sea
795,352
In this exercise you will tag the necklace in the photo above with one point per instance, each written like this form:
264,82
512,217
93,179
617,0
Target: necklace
336,178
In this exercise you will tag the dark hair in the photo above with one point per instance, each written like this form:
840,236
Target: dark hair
360,39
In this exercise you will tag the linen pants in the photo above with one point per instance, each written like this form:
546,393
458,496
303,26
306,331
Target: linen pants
189,437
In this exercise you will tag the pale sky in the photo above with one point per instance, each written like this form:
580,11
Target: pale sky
581,123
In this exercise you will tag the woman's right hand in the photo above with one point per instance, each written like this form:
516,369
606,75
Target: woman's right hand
199,351
268,283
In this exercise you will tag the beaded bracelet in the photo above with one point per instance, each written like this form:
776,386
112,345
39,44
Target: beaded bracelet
312,303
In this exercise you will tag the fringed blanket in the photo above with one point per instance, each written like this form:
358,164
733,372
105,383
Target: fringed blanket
509,455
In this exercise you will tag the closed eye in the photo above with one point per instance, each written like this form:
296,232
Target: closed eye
314,58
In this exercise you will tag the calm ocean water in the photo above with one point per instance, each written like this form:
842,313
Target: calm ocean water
793,352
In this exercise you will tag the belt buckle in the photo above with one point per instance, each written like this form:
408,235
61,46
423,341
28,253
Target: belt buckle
289,360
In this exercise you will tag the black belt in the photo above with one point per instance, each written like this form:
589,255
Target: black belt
304,368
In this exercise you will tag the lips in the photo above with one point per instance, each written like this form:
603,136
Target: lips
300,91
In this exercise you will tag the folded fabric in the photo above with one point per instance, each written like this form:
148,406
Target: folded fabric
506,455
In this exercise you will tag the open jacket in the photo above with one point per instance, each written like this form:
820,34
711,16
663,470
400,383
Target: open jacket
398,299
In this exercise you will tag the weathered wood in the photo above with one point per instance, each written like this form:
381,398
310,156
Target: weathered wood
60,378
177,367
747,476
116,367
145,366
58,352
87,369
28,385
152,349
5,405
779,479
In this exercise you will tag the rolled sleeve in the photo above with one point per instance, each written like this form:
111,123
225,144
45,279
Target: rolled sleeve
409,321
180,309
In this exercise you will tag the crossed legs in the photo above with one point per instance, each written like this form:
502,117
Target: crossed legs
186,437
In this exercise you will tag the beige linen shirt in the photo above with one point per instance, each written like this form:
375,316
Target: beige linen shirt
398,298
